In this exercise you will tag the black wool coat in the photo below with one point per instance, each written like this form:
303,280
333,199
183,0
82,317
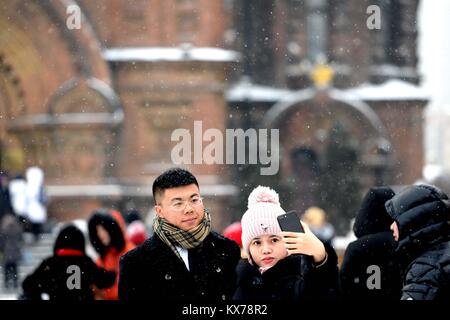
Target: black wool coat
68,274
153,272
54,273
357,269
291,279
370,269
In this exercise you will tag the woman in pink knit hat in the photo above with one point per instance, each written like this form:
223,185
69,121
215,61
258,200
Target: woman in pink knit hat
286,266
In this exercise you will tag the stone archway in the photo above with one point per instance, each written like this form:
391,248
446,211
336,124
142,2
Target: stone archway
33,75
76,140
300,98
334,103
84,118
55,69
12,155
307,120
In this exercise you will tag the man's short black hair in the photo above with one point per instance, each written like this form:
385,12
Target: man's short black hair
172,178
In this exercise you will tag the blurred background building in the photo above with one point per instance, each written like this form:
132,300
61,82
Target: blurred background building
95,106
434,24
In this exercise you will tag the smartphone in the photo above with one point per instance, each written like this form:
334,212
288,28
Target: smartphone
290,222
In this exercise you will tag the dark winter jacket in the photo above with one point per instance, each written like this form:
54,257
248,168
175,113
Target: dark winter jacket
153,272
371,256
422,214
11,239
5,201
69,274
291,279
369,270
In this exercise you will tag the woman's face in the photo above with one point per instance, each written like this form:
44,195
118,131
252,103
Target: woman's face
103,235
267,250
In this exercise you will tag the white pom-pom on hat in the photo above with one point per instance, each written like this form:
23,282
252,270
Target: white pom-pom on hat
263,194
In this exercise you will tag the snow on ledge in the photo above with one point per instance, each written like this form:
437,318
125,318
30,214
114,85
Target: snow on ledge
393,89
247,91
116,190
183,53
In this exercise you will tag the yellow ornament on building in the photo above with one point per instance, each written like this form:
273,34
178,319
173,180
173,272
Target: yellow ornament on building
322,75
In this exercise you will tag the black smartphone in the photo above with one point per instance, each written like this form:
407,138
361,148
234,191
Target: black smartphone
290,222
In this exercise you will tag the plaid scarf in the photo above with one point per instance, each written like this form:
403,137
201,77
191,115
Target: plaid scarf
173,236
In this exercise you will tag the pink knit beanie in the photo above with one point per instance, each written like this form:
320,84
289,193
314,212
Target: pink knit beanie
261,215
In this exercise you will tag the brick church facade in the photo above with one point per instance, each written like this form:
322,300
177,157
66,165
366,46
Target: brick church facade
95,106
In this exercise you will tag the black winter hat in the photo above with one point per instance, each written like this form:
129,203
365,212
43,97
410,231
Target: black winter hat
132,215
411,197
372,216
70,237
422,215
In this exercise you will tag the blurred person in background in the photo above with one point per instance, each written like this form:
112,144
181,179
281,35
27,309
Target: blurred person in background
374,247
234,232
18,195
316,219
57,277
36,200
136,229
108,236
11,246
5,199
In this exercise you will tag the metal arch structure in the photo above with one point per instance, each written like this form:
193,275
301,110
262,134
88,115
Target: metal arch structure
279,109
112,118
92,70
296,99
115,114
378,139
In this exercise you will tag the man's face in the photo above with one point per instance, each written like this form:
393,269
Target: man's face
394,229
181,206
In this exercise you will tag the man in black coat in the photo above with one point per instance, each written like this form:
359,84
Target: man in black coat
422,230
184,259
